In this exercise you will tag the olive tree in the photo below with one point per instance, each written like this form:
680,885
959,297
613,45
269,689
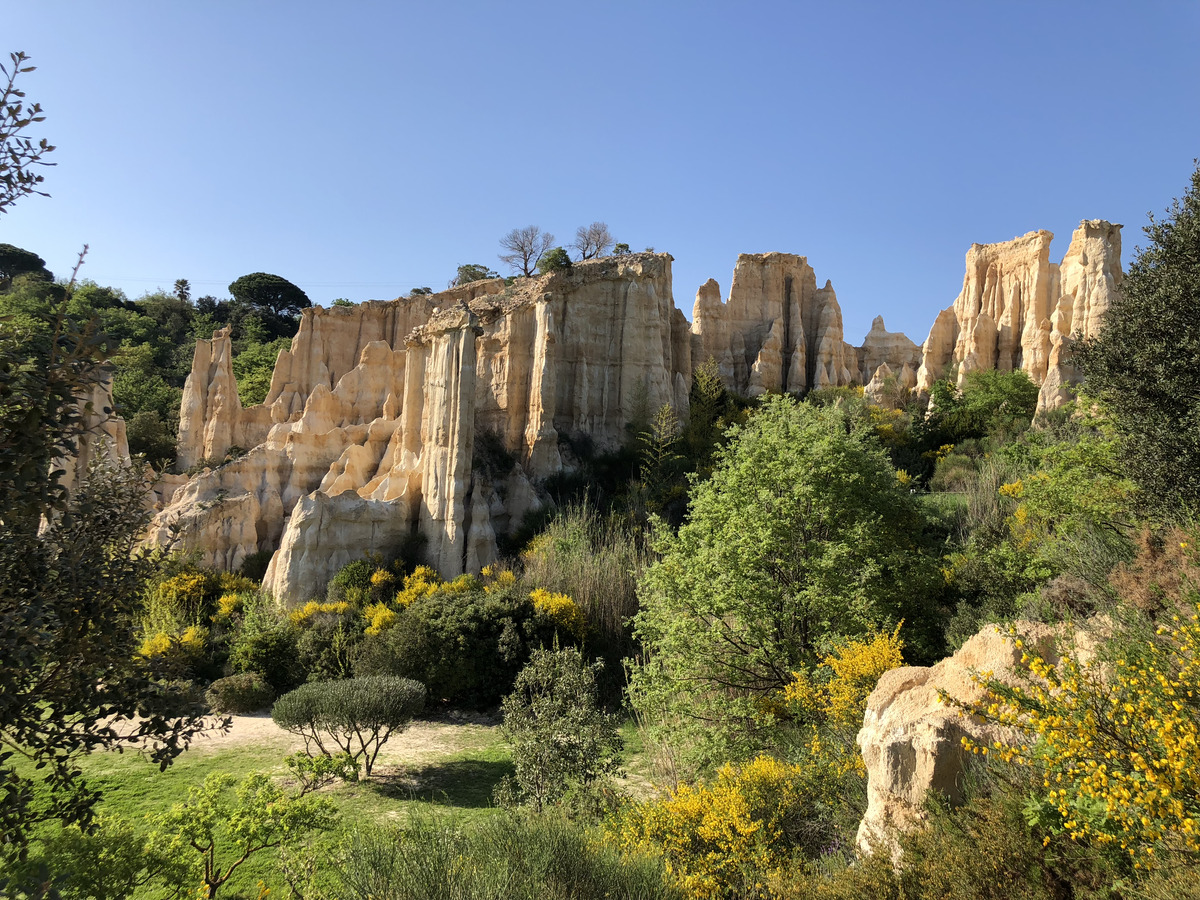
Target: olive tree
802,535
354,715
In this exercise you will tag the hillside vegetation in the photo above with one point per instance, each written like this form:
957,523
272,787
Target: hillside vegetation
680,653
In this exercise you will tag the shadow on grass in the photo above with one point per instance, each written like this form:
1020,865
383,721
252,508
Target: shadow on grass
465,783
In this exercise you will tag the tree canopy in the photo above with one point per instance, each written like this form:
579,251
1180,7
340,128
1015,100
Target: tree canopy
270,292
525,247
1143,363
802,535
14,261
19,155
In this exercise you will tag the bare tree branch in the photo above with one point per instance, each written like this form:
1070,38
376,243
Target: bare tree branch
592,240
525,246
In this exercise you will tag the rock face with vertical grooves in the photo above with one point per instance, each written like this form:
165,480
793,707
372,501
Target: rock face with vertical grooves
438,417
1017,310
377,418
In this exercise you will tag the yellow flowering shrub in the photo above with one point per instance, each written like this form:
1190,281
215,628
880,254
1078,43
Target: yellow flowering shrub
496,577
316,607
382,578
725,838
830,701
562,611
380,617
422,581
189,644
229,605
230,582
1117,746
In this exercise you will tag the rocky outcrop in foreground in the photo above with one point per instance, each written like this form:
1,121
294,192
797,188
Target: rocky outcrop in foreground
911,740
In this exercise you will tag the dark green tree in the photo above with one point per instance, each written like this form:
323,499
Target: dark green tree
1144,362
19,156
554,260
271,292
471,272
14,261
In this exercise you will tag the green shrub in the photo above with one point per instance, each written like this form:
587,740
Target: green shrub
355,715
352,583
465,647
558,733
503,856
239,694
255,565
267,645
556,259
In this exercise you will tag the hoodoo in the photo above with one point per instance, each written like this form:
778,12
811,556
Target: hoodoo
372,430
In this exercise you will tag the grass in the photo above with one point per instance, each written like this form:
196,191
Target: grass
447,771
452,775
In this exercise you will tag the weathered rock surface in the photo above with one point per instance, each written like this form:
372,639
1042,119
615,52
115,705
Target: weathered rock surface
1016,309
372,418
102,437
911,740
439,416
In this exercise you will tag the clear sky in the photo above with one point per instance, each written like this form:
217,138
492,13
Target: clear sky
360,149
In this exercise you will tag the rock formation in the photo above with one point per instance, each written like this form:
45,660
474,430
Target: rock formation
102,436
911,740
367,436
1016,309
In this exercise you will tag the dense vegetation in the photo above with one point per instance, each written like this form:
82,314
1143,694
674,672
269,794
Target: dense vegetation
737,584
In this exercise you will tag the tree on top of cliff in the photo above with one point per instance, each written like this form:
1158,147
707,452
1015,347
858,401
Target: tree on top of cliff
525,247
19,155
1144,362
270,292
471,272
554,260
592,240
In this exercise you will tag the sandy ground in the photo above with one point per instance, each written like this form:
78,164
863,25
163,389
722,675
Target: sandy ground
422,742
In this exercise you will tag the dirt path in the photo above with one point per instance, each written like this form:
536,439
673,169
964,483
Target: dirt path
423,741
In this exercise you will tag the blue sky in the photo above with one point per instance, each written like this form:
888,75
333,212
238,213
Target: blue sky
363,148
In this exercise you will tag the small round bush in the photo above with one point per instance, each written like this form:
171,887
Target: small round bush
239,694
354,715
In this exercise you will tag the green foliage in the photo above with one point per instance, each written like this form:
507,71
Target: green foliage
352,583
470,272
70,578
596,561
266,643
505,856
1144,361
802,535
269,292
342,301
226,822
19,156
315,772
558,733
356,715
253,366
620,249
466,647
556,259
991,403
113,861
14,262
241,694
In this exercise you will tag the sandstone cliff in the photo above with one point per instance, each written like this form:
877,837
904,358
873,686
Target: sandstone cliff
1016,309
367,436
368,433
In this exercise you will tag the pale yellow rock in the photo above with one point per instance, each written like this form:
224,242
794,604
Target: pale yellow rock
911,739
1016,309
777,332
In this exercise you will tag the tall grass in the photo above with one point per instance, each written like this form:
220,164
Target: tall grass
506,857
596,561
